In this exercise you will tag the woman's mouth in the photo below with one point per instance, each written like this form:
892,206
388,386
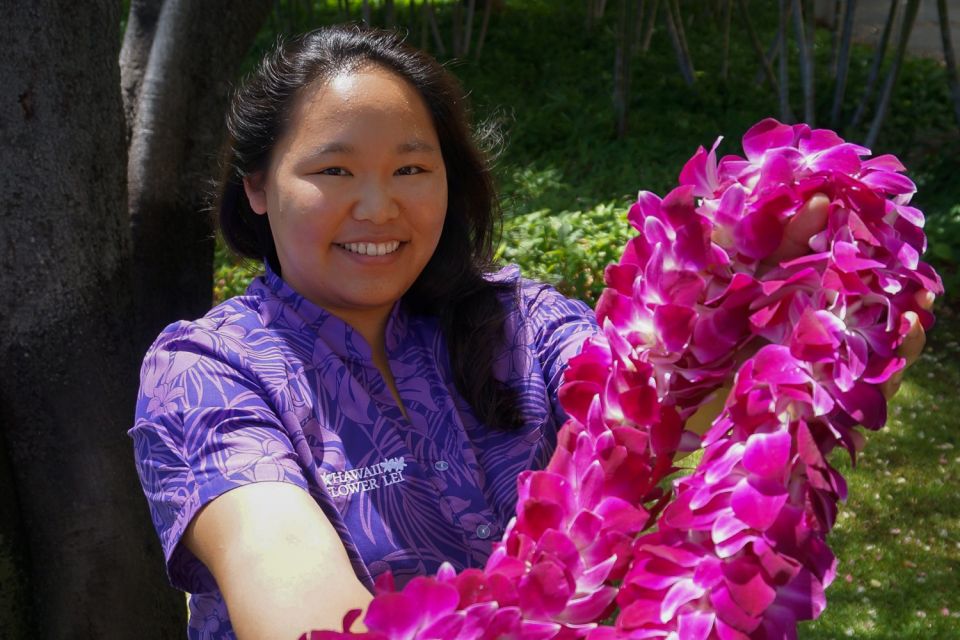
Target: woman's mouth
370,248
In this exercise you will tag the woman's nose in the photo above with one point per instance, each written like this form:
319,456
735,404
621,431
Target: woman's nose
375,203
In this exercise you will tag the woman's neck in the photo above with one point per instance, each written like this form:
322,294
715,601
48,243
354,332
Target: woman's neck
373,328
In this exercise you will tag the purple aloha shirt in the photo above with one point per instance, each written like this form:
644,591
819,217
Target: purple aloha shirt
270,387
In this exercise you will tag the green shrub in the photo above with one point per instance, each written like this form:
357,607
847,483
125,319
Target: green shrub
568,249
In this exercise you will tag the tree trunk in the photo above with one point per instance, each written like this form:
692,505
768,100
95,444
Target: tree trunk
179,130
786,114
468,30
725,58
621,70
389,11
686,68
843,63
838,10
878,56
765,66
651,25
488,6
909,16
95,569
137,40
805,53
949,56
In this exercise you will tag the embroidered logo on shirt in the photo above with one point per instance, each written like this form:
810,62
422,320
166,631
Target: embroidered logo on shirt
362,479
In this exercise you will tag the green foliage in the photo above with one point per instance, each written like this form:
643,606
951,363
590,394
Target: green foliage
567,249
231,274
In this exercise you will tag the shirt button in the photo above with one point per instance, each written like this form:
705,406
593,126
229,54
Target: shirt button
483,532
441,465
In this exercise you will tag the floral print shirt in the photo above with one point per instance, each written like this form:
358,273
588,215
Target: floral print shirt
270,387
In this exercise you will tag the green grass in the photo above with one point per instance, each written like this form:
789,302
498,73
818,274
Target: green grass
898,536
566,182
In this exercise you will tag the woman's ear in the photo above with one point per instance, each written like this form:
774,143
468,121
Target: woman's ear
256,194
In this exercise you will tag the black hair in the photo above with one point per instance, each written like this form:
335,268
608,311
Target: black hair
451,286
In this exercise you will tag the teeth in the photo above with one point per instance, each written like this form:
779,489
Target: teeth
372,248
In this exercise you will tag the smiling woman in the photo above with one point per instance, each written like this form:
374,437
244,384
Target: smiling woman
356,187
367,405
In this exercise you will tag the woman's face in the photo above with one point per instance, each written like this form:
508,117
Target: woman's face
356,192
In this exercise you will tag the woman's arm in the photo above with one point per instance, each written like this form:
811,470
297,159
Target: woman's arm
277,560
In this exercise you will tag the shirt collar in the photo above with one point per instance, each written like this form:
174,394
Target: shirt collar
283,307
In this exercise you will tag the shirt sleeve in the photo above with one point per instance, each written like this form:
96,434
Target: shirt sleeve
203,426
559,326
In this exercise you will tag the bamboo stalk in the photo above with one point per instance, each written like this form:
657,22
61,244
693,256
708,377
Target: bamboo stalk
471,9
457,29
843,63
909,17
838,9
389,9
685,70
786,114
949,56
806,62
437,38
773,50
483,29
651,24
765,66
641,13
621,72
682,33
878,56
725,61
424,25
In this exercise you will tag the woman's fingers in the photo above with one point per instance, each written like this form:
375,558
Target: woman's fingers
808,221
912,345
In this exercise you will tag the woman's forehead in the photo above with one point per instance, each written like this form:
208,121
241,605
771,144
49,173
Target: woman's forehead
363,104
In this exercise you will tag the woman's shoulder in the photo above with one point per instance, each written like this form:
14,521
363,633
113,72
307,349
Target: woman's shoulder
237,316
534,299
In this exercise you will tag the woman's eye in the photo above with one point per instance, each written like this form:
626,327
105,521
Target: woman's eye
334,171
409,171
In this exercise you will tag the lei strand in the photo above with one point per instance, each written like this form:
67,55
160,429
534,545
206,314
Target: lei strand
738,549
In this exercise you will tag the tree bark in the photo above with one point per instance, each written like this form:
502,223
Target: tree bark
651,25
878,56
786,114
765,66
843,63
906,28
179,130
621,70
93,562
683,62
725,58
949,56
137,40
805,53
488,5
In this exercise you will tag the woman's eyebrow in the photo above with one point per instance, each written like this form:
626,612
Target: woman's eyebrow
331,147
414,146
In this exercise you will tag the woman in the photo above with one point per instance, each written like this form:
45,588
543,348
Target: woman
373,397
368,403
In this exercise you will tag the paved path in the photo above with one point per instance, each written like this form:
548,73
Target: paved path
925,38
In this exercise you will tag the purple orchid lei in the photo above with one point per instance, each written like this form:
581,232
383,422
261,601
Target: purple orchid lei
738,548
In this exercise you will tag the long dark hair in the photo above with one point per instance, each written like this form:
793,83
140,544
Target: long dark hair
451,286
